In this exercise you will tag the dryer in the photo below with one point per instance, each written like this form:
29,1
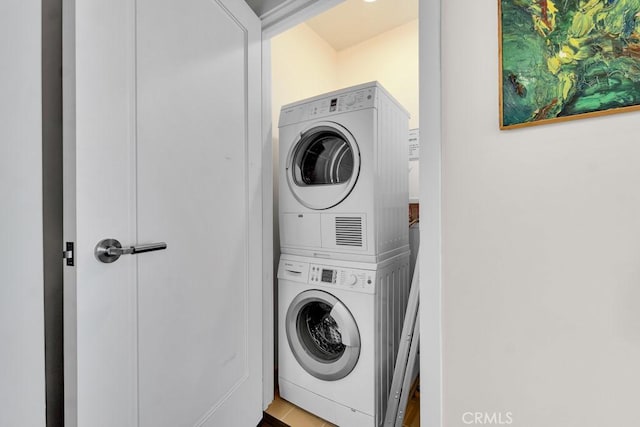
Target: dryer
339,326
344,176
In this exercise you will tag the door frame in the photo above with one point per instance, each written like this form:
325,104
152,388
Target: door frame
288,15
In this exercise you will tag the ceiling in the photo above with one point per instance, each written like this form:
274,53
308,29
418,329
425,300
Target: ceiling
355,21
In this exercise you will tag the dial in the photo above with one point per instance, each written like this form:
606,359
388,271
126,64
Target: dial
350,99
353,280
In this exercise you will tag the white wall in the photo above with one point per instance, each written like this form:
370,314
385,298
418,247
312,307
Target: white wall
303,65
22,388
390,58
541,250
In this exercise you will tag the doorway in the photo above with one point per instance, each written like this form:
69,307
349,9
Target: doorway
353,43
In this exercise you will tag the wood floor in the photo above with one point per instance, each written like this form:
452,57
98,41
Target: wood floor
292,416
412,416
284,414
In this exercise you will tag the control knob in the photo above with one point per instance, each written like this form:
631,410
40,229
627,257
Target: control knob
353,280
350,100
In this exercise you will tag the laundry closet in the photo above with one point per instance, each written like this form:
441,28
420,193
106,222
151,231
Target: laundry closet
357,55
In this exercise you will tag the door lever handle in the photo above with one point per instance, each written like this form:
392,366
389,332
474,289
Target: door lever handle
109,250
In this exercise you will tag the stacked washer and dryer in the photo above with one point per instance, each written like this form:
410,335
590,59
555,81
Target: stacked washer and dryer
344,270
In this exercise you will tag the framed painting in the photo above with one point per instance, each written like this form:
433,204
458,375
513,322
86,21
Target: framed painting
567,59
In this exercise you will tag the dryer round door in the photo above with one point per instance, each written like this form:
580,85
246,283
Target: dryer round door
323,165
323,335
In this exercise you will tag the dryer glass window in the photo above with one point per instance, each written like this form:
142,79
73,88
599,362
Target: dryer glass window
323,157
319,332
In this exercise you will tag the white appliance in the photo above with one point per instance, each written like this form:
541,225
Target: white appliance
339,330
343,175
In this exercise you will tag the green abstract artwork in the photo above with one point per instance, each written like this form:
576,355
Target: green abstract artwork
565,59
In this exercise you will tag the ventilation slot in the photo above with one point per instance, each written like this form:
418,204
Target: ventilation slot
349,231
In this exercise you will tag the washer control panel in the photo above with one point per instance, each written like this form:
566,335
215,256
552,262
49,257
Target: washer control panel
346,278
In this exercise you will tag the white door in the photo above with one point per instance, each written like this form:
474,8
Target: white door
162,144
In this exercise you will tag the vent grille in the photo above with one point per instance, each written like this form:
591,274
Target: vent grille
349,231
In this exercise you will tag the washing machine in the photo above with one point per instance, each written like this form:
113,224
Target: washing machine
343,175
339,326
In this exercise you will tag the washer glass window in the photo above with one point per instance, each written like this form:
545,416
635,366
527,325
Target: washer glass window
319,332
323,335
323,157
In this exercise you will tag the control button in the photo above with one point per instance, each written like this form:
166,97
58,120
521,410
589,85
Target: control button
369,281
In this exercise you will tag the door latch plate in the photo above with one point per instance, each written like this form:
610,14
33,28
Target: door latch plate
67,254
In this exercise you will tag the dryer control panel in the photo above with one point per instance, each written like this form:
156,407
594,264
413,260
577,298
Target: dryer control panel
346,278
356,99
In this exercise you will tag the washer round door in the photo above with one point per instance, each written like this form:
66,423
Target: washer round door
322,335
323,165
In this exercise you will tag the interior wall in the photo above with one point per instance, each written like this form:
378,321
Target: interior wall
390,58
303,65
541,250
22,388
